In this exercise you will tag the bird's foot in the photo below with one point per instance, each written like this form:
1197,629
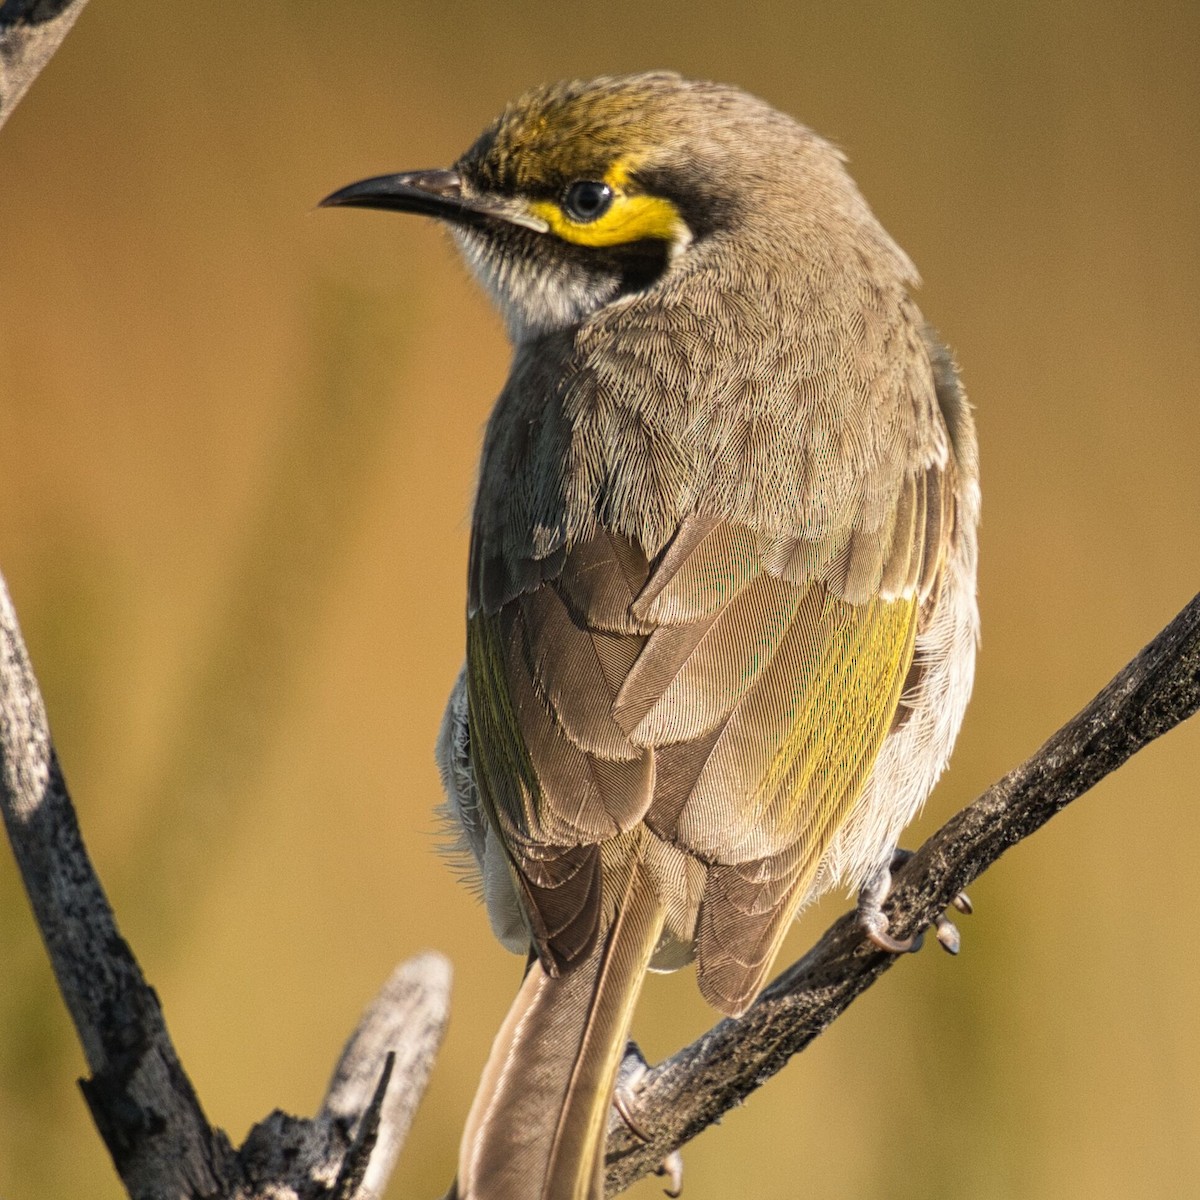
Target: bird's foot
632,1071
874,920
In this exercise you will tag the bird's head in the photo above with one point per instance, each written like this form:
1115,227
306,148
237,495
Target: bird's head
583,193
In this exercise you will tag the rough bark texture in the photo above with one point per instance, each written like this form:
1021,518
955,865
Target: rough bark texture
139,1094
400,1023
151,1120
30,32
140,1097
692,1089
349,1148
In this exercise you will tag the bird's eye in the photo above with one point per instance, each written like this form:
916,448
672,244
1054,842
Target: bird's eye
587,200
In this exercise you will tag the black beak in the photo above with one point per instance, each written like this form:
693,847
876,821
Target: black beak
430,194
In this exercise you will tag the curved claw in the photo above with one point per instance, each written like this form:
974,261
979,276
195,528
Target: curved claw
672,1168
885,941
947,935
875,926
634,1068
874,921
622,1105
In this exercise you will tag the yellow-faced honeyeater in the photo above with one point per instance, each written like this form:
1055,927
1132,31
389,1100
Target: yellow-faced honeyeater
721,616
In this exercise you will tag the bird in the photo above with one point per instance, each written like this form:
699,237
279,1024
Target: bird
721,588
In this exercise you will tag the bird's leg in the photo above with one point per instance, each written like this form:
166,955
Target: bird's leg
871,916
630,1074
874,921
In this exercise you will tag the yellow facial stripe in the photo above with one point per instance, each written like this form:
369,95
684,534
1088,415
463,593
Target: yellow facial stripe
629,218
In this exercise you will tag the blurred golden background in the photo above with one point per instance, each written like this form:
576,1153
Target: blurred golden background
237,446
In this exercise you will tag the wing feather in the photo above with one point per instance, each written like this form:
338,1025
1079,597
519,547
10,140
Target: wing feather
702,570
696,675
732,694
568,674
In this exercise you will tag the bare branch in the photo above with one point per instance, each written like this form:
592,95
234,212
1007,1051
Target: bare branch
30,33
159,1138
350,1147
692,1089
358,1157
406,1022
141,1099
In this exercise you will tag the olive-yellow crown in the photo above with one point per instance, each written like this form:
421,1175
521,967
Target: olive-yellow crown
582,193
604,162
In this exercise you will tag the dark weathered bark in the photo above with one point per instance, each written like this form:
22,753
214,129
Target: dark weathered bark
140,1096
348,1149
141,1099
147,1111
30,32
138,1092
692,1089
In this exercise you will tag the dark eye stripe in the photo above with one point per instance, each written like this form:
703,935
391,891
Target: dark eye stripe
587,200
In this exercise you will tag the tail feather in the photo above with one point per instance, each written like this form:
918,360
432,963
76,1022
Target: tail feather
536,1126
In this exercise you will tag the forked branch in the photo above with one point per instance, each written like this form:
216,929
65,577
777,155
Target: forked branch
140,1096
141,1099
